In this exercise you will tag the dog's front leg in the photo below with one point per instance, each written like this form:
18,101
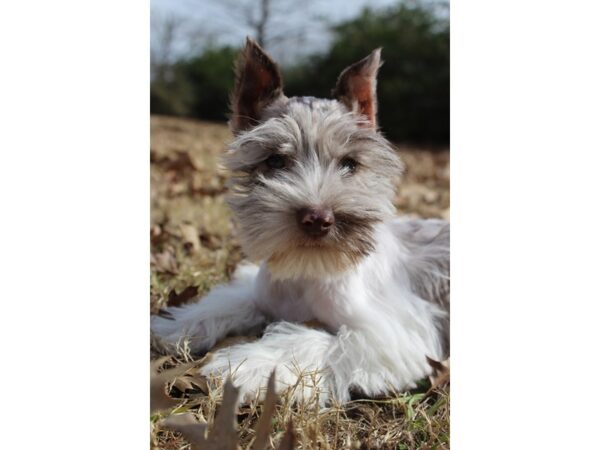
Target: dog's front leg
377,360
225,310
296,352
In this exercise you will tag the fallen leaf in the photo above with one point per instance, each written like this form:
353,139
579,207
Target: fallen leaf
165,261
223,435
156,234
210,191
191,380
179,161
190,236
159,400
441,373
263,428
191,430
176,299
289,438
177,187
431,196
210,241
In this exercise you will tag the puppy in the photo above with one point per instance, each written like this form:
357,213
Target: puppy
311,188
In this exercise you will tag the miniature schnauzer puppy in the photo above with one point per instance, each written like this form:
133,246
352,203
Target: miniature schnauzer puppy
311,188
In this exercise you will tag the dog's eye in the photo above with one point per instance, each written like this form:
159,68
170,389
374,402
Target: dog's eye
349,164
275,162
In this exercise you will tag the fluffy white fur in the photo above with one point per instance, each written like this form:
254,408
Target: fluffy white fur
378,331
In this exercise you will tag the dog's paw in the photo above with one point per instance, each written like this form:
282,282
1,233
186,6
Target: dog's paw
249,368
175,329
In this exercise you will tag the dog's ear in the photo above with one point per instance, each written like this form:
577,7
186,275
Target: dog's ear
356,87
257,84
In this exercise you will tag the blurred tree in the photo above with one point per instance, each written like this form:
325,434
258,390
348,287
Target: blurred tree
210,79
198,87
165,31
414,82
272,23
413,87
259,21
173,90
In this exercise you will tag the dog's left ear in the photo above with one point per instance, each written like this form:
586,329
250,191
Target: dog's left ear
258,84
356,87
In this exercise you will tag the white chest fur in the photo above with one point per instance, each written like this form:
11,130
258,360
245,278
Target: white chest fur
376,294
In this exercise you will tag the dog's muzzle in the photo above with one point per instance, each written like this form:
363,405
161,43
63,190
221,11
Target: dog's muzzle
315,222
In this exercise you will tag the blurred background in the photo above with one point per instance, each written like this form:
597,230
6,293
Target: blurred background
194,44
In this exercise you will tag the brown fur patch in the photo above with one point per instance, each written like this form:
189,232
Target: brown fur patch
257,84
356,87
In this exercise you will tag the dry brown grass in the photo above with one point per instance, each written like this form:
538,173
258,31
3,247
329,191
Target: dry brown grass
193,245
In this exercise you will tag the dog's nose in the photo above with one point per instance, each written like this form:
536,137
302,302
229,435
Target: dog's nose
316,222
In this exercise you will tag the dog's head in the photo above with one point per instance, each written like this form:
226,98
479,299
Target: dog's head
310,178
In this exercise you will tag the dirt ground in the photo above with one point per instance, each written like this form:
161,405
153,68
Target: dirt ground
194,248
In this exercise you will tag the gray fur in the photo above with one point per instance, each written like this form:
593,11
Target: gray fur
314,135
429,265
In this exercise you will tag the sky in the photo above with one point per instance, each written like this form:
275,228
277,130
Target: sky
205,21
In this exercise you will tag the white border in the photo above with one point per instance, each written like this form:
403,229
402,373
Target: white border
74,188
74,244
525,224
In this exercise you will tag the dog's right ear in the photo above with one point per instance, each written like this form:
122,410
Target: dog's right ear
257,84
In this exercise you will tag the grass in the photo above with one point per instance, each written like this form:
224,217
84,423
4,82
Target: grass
193,244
